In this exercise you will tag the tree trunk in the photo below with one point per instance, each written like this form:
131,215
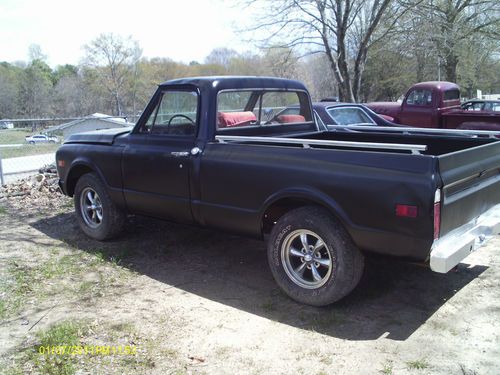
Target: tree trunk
450,67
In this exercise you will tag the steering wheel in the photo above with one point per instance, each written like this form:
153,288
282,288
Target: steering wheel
179,115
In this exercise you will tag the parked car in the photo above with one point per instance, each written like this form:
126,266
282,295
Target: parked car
41,138
436,105
331,115
481,105
335,114
219,152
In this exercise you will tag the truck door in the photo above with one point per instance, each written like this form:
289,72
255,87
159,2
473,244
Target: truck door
418,108
157,160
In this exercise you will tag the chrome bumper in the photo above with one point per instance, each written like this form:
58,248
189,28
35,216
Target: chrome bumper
448,251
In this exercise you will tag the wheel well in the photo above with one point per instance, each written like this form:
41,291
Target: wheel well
281,207
73,176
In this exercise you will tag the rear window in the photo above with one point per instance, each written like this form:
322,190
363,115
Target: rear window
258,108
452,94
350,116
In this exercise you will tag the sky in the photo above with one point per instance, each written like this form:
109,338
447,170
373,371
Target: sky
183,30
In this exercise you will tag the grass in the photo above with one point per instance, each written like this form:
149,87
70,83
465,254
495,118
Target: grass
27,150
419,364
3,210
13,136
33,356
16,136
326,320
20,283
387,369
268,306
66,333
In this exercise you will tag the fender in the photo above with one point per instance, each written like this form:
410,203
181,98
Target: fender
116,194
308,193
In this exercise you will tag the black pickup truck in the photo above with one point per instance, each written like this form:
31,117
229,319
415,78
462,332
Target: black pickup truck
219,152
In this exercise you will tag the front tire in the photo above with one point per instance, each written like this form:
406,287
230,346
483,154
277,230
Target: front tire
97,215
312,257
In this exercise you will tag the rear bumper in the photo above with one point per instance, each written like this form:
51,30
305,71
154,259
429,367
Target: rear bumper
448,251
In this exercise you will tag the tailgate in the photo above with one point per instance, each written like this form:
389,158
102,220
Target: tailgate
471,184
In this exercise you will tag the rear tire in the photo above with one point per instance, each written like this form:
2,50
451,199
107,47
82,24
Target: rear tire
97,215
312,257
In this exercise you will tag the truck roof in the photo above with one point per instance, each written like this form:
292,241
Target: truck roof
439,85
237,82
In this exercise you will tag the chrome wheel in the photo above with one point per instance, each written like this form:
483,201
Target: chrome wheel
306,259
91,207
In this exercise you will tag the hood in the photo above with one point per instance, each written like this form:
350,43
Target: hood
105,136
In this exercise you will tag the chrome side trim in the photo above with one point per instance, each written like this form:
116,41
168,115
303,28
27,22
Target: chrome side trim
413,130
448,251
307,143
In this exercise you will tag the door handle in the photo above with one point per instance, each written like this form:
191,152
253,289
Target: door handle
179,154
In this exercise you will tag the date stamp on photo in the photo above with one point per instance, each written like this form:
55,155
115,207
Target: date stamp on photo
79,350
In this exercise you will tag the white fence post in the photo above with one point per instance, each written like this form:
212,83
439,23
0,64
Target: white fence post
2,182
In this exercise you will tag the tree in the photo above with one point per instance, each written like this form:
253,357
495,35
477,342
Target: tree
221,56
458,22
35,53
34,90
114,59
344,30
9,82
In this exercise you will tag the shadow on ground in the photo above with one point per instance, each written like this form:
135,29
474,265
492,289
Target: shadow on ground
393,298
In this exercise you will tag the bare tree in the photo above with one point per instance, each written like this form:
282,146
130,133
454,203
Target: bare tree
114,58
456,23
221,56
344,30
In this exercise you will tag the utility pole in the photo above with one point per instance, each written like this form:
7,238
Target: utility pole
439,69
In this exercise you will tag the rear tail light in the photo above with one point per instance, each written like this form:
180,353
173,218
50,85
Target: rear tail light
437,213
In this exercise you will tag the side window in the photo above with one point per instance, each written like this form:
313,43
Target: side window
175,114
420,97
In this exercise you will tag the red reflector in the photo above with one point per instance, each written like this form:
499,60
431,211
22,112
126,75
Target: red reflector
405,210
60,163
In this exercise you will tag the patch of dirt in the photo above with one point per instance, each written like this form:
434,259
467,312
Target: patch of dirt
205,302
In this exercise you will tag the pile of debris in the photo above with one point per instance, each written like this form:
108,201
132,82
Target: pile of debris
40,186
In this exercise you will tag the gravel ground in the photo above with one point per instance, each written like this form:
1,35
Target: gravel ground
197,301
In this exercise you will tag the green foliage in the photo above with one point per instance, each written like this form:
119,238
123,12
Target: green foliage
419,364
64,333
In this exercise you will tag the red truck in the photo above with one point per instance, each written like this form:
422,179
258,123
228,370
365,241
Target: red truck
436,105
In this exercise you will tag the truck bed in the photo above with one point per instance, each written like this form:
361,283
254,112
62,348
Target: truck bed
464,168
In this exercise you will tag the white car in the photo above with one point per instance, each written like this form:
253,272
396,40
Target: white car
41,138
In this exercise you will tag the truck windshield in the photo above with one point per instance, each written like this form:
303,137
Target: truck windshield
258,108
